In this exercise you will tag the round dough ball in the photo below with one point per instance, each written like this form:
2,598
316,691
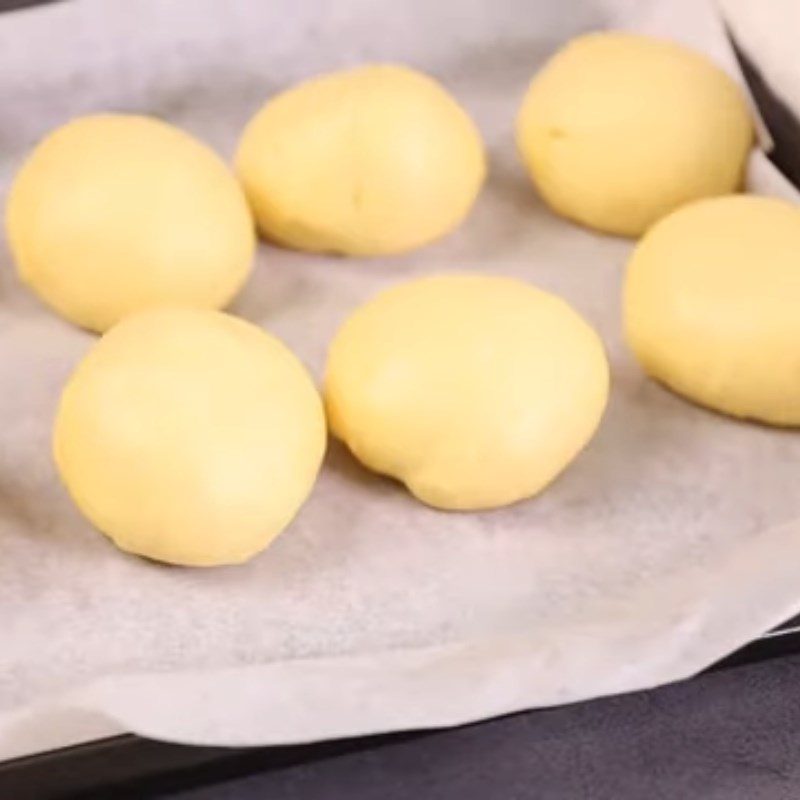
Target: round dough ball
369,161
475,391
114,213
618,130
711,306
189,436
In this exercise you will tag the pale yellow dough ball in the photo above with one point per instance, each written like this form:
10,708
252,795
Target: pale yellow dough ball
712,306
368,161
618,130
114,213
474,391
190,437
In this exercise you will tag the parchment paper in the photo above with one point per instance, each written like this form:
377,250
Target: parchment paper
668,543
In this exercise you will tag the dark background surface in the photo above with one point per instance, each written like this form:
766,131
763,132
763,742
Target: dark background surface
732,735
12,5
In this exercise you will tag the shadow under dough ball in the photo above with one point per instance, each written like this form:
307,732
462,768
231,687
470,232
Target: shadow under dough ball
618,130
115,213
475,391
712,306
369,161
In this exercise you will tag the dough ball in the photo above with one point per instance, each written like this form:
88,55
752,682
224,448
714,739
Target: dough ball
475,391
189,436
113,213
618,130
369,161
711,304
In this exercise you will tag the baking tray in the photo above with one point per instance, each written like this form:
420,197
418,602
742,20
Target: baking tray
129,766
123,767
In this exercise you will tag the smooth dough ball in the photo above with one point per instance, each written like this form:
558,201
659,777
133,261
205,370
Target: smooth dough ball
618,130
114,213
475,391
190,437
369,161
712,306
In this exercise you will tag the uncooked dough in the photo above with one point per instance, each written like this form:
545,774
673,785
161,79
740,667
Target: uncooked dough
475,391
368,161
618,130
189,436
114,213
712,299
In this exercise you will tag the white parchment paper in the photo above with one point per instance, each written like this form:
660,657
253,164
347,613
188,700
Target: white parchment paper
671,541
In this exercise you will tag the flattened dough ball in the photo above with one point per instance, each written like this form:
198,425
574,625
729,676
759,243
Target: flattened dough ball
114,213
712,306
190,437
475,391
368,161
618,130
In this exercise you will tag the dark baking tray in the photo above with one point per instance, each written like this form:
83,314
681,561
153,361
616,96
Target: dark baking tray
128,766
132,767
